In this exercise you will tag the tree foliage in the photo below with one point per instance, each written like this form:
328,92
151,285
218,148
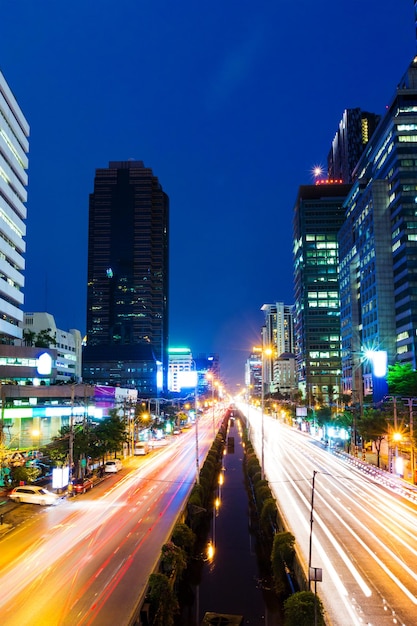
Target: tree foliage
282,555
93,441
373,426
173,559
323,415
402,380
184,537
23,474
43,339
299,609
163,600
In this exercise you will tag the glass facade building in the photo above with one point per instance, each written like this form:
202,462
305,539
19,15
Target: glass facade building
353,134
318,216
378,245
127,293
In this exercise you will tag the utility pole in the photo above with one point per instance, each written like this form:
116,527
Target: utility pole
410,402
197,461
71,436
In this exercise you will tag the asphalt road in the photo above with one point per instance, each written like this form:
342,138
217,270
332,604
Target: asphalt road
364,527
87,560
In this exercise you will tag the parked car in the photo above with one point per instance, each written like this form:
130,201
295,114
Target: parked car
33,494
80,485
113,466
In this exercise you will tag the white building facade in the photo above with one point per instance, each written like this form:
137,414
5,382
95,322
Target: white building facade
68,344
14,147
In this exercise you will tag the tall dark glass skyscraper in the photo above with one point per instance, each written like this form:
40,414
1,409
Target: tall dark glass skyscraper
353,135
127,294
318,216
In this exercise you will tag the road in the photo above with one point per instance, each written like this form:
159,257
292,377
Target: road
87,560
363,532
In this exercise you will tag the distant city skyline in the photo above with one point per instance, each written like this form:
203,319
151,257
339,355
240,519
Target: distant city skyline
232,105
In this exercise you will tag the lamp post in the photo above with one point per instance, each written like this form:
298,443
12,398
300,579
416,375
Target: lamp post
410,402
197,461
314,573
211,379
268,352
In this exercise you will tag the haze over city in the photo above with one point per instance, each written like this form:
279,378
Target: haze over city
231,105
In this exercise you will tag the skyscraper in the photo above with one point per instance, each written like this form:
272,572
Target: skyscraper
355,130
127,293
318,216
378,245
278,334
14,146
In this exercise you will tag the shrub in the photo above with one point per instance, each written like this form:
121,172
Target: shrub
173,559
163,600
268,515
183,537
299,609
262,494
282,554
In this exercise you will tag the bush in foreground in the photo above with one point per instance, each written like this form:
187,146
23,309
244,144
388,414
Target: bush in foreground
300,607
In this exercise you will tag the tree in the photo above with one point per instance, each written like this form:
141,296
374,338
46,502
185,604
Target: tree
184,537
44,339
282,555
402,380
21,474
163,600
373,427
323,415
173,560
268,517
112,431
89,441
300,609
28,337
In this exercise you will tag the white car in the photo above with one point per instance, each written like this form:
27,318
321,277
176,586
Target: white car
32,494
113,466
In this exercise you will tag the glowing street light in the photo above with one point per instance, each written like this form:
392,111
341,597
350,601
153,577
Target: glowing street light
210,377
265,352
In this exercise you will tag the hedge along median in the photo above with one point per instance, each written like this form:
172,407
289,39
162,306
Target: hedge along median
184,551
277,548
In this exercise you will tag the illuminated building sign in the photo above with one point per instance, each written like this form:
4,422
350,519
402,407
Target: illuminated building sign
44,364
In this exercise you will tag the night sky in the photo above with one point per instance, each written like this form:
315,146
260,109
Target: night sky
230,102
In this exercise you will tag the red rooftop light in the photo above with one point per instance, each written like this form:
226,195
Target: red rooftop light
329,181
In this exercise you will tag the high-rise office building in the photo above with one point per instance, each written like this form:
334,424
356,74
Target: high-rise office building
127,294
355,130
14,147
278,335
378,246
279,327
318,216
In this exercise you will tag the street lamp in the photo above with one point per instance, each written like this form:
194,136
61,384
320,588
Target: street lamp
197,461
265,352
210,377
314,573
36,434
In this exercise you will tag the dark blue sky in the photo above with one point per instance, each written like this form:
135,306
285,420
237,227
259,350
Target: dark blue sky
230,102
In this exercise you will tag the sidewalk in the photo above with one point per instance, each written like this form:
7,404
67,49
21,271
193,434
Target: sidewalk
380,474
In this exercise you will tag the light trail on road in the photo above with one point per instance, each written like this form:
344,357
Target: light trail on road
364,533
88,560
